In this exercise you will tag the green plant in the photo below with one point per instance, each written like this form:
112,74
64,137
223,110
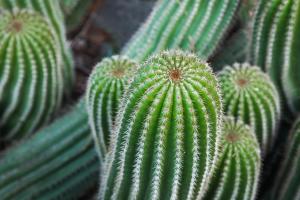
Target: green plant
249,95
106,86
168,131
30,80
237,173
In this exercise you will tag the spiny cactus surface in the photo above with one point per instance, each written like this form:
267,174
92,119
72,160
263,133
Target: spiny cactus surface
276,46
168,132
237,173
249,95
58,162
30,79
106,86
192,25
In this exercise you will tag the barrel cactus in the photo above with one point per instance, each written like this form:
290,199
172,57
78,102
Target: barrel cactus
249,95
168,131
106,86
30,79
237,173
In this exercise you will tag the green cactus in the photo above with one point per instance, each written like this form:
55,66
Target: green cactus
106,86
58,162
249,95
275,46
167,137
192,25
30,80
237,173
287,184
52,11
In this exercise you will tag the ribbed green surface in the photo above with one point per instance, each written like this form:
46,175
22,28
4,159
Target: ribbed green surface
167,134
287,184
194,25
59,162
236,176
276,46
52,11
249,95
106,86
30,80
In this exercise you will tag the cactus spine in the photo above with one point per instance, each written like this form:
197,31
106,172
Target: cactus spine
30,80
249,95
106,85
58,162
192,25
276,46
237,172
168,132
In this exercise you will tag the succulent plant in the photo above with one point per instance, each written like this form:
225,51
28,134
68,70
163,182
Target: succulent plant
106,86
276,46
30,79
249,95
237,173
168,131
58,162
192,25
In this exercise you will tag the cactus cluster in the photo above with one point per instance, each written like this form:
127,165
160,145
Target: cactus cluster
237,172
249,95
276,44
168,132
30,79
106,86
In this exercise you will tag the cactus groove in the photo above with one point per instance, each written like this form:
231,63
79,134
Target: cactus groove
168,133
249,95
106,86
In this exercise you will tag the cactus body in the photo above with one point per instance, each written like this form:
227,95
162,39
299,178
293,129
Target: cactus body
276,46
52,12
237,173
106,86
168,132
287,184
192,25
30,79
249,95
58,162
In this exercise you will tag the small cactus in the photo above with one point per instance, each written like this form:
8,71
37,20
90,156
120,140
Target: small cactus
237,173
106,86
249,95
30,79
168,133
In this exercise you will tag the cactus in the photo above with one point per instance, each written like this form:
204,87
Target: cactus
287,185
30,79
237,173
168,132
275,46
58,162
52,12
106,85
192,25
249,95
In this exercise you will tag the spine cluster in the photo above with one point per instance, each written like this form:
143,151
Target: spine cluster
168,133
249,95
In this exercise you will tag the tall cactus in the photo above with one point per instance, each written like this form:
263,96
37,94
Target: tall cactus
58,162
276,46
168,132
52,12
287,184
237,173
106,86
249,95
192,25
30,78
